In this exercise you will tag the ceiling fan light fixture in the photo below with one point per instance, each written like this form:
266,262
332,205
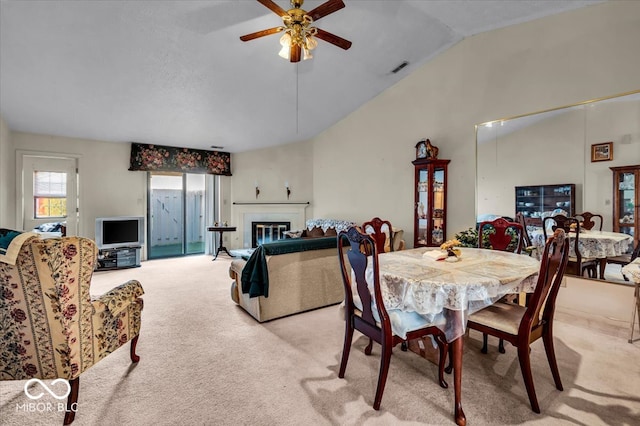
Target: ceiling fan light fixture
306,54
285,41
300,38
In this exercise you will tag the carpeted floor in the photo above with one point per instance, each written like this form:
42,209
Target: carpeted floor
204,361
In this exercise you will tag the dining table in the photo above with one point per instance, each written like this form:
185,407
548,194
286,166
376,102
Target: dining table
632,272
446,292
591,243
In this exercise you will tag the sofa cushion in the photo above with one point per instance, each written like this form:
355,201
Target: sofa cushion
315,232
330,232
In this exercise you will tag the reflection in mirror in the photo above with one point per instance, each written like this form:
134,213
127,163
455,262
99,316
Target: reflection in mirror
554,148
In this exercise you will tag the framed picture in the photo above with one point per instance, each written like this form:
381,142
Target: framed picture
602,151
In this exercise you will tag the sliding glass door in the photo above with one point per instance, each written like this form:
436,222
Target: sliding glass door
177,214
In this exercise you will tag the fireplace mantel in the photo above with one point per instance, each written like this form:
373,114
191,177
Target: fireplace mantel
243,214
270,204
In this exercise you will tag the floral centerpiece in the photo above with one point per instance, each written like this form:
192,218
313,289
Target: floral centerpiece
449,247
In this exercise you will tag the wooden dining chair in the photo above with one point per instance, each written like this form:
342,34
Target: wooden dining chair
365,310
376,228
625,259
506,235
502,238
577,264
528,245
521,325
587,221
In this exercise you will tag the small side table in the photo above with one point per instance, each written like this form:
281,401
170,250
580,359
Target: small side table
220,230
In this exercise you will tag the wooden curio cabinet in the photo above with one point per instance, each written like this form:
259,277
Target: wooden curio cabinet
430,202
626,200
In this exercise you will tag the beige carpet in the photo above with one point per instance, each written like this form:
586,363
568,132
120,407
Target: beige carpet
204,361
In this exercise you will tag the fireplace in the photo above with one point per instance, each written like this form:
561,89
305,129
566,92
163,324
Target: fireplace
266,232
244,214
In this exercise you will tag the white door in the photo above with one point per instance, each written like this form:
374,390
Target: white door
50,192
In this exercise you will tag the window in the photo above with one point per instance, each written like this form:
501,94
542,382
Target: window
50,194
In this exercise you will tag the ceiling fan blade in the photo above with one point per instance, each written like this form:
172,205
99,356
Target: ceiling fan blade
325,8
262,33
333,39
294,52
273,7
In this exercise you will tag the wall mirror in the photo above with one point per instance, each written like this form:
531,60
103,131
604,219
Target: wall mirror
553,147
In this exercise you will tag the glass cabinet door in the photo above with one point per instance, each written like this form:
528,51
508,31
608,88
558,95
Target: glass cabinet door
437,219
430,199
626,202
422,206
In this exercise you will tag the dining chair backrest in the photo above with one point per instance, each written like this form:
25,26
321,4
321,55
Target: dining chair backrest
380,230
506,235
568,224
553,263
635,253
578,264
526,239
587,221
361,249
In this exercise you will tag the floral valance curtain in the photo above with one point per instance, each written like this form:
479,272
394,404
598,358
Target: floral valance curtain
170,159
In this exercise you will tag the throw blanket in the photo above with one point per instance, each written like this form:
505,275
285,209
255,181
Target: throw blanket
255,276
10,244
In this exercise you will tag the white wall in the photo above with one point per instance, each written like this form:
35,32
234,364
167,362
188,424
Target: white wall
558,60
107,188
271,168
7,173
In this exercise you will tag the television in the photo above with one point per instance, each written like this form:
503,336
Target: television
117,232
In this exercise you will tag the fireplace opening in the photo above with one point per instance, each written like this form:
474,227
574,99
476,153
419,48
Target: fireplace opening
266,232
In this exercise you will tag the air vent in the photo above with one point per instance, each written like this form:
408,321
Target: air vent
399,67
217,147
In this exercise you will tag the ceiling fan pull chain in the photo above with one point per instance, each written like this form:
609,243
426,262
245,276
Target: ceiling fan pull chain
297,99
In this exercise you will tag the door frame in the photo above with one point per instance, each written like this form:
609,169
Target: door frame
21,155
211,191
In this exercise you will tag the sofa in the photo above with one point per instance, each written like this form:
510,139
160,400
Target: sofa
290,276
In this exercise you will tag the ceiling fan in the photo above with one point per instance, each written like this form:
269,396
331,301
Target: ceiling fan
299,36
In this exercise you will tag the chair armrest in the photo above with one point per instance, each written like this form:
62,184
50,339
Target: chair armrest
119,298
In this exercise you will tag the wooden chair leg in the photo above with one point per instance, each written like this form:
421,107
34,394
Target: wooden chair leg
525,367
132,351
369,347
348,337
385,360
547,339
501,346
484,343
443,348
449,368
72,401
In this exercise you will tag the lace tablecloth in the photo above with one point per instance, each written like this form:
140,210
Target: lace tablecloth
412,283
593,244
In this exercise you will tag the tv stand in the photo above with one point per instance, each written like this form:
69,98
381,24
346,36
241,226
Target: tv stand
118,258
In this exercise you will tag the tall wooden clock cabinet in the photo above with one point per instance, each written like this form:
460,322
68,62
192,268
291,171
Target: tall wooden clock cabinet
430,201
626,201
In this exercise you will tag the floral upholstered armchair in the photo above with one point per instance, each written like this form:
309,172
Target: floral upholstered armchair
50,326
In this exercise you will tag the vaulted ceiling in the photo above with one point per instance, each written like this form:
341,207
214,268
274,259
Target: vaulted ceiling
175,72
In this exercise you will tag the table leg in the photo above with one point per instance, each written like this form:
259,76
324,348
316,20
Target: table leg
458,345
636,310
456,323
219,246
603,265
